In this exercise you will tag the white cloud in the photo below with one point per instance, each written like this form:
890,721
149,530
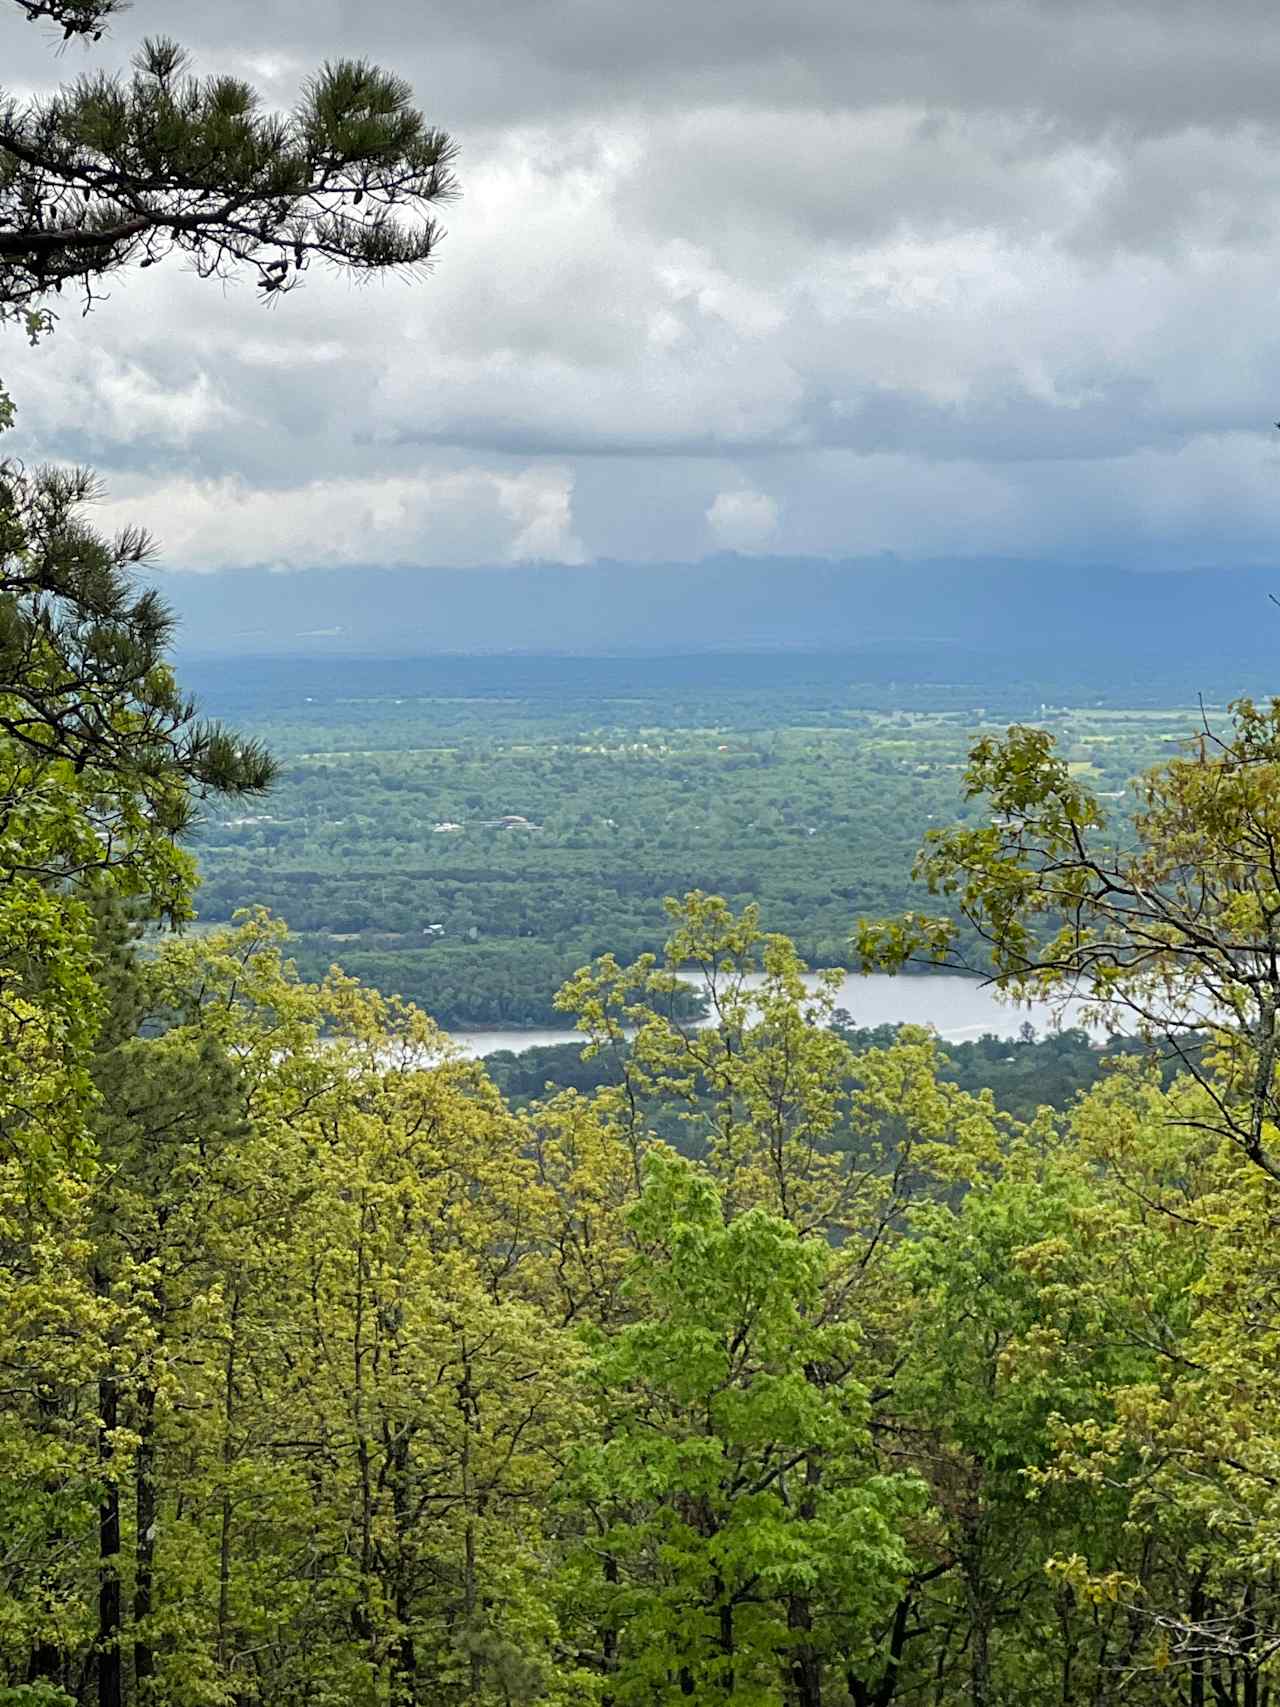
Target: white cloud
986,278
743,521
466,517
542,509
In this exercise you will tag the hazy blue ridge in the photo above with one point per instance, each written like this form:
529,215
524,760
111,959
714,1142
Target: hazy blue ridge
947,620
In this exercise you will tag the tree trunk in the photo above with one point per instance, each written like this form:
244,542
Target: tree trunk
362,1612
979,1618
980,1661
110,1679
469,1603
470,1587
397,1449
806,1663
1195,1613
863,1694
609,1635
806,1667
227,1512
940,1666
48,1662
144,1660
1248,1643
726,1640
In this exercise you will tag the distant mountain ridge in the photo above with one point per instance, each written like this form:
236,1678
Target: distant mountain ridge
943,615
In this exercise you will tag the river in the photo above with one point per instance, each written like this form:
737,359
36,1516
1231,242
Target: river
958,1007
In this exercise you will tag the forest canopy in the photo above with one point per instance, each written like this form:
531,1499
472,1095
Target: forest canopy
341,1378
767,1365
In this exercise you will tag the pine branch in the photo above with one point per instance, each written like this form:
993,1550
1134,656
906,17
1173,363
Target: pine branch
76,17
117,169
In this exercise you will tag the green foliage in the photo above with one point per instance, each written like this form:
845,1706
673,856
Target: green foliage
1173,926
735,1468
810,805
111,171
101,766
83,677
1022,1074
329,1376
335,1379
327,1397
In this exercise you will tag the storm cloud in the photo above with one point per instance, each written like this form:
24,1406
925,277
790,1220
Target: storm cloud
829,278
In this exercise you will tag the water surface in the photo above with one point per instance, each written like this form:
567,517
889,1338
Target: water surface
958,1008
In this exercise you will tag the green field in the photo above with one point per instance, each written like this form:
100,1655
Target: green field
470,850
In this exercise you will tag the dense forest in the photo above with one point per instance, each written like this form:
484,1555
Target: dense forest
771,1363
344,1378
469,841
1022,1074
753,1360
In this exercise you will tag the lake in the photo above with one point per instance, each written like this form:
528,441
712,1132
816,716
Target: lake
958,1008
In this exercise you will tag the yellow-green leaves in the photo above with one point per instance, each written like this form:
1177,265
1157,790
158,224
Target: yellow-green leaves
733,1476
1172,926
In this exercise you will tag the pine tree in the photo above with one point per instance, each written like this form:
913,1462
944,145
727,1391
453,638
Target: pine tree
111,171
103,761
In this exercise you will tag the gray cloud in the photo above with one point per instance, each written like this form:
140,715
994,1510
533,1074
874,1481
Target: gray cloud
946,275
1148,67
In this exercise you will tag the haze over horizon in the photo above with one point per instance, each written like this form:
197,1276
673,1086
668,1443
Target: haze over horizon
983,280
975,620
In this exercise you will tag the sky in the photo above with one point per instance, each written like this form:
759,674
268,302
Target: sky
833,278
